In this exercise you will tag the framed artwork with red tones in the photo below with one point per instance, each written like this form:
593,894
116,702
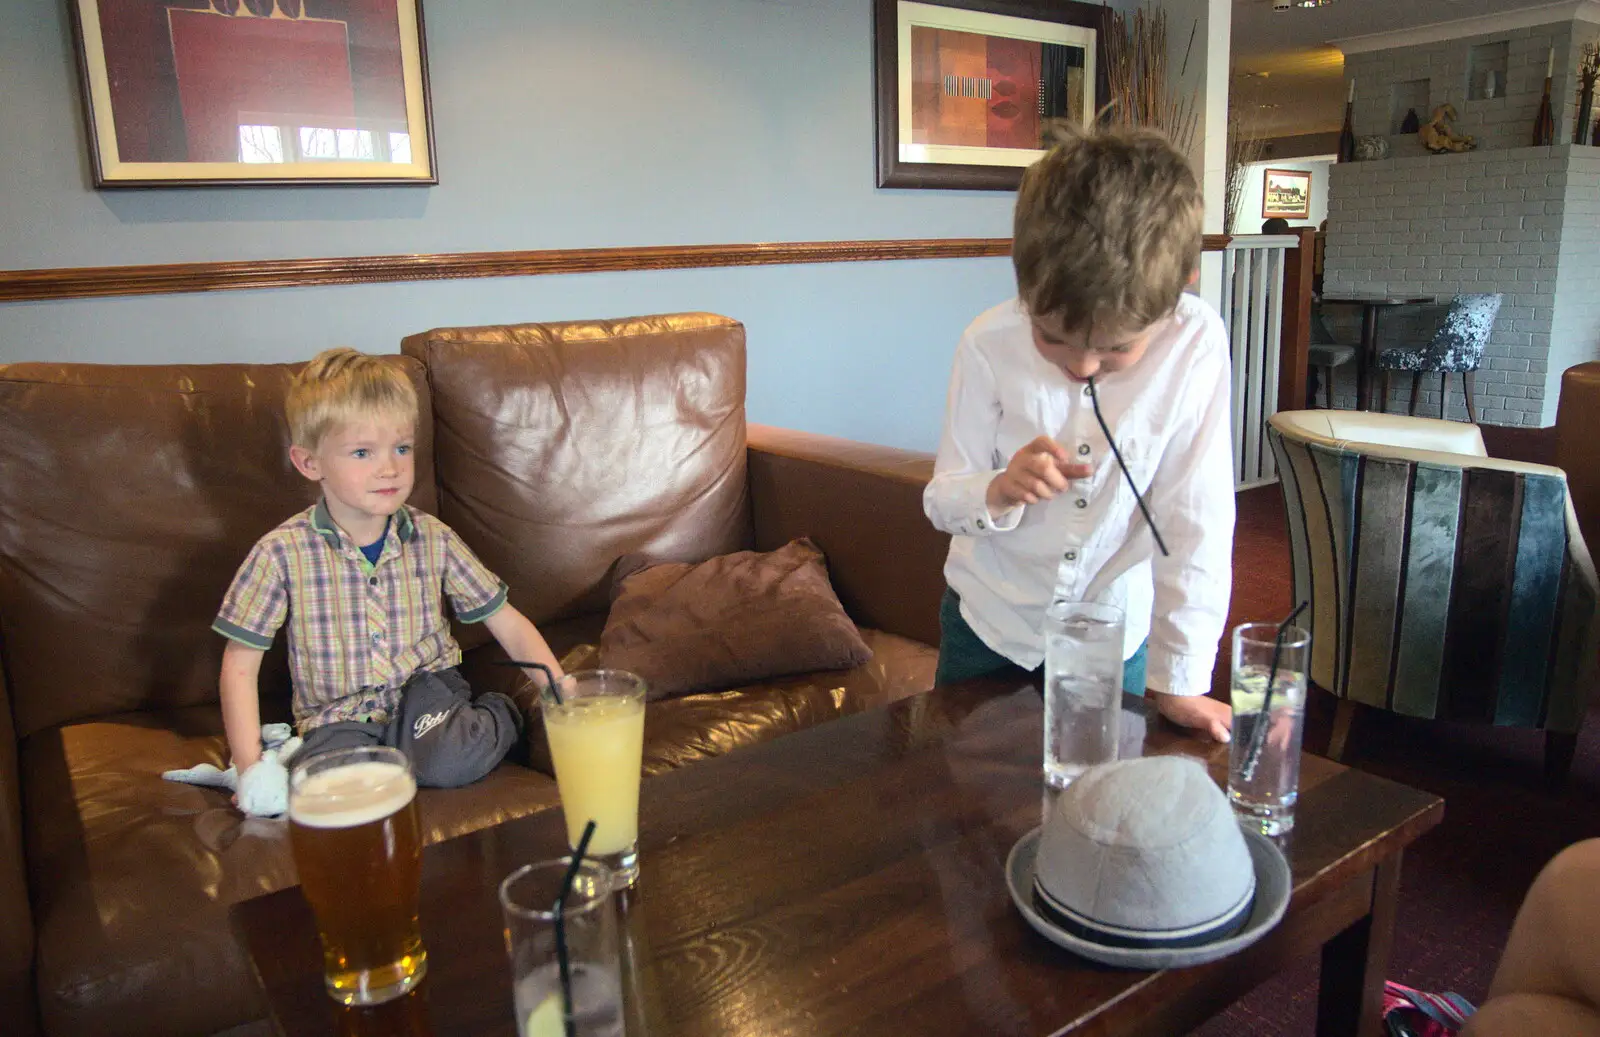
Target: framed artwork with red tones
965,87
248,92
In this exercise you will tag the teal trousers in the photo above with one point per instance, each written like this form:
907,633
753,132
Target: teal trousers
963,655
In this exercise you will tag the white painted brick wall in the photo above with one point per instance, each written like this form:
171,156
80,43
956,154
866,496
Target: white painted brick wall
1505,121
1443,225
1575,324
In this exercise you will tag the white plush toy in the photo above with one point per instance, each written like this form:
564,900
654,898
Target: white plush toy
265,789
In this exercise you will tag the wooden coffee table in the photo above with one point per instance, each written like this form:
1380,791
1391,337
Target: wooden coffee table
849,879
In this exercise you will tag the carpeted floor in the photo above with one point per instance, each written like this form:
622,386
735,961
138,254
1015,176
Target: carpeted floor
1462,882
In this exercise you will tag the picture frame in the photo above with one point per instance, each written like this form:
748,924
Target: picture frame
959,86
1286,193
254,92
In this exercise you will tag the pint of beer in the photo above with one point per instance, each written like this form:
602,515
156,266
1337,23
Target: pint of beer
353,825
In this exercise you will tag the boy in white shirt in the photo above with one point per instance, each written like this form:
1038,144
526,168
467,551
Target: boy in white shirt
1107,236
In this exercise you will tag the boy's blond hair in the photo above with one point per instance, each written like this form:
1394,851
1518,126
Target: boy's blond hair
1107,228
340,386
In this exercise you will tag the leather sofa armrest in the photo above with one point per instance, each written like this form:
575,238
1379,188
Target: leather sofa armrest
18,1005
862,505
1578,442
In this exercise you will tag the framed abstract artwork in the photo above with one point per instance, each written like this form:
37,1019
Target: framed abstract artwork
965,87
249,92
1286,193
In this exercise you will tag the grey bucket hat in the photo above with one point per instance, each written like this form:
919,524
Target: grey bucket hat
1142,865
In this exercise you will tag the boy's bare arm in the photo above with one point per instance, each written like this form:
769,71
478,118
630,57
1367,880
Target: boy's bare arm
521,639
241,703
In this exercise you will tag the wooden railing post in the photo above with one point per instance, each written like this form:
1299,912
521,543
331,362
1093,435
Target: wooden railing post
1294,368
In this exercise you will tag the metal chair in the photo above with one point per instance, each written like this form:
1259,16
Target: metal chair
1325,354
1457,348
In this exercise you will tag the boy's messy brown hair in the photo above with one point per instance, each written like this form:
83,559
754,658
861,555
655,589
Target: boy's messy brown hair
1107,228
340,386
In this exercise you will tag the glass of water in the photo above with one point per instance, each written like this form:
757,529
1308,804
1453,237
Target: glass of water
1082,688
527,901
1264,758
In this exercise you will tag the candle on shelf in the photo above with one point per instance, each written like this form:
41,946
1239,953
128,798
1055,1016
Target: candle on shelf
1550,65
1351,96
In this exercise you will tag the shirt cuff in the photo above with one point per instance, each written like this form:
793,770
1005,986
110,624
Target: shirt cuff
969,498
487,609
1186,675
235,632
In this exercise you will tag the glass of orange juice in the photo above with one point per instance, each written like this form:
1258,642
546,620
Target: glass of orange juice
594,720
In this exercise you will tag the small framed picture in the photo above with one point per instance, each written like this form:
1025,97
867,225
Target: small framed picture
1286,193
182,93
964,87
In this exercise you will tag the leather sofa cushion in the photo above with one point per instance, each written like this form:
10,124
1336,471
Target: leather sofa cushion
563,447
132,875
695,727
128,497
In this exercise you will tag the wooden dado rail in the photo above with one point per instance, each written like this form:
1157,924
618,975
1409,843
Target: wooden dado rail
98,281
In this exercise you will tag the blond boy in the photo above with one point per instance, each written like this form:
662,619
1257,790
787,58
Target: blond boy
1106,238
358,580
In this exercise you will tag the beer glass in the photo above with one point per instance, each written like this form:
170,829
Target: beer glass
357,845
596,734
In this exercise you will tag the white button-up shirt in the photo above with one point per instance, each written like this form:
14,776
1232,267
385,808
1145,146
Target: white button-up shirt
1170,415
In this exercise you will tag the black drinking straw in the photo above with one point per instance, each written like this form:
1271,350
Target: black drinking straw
1258,737
561,928
1094,400
549,678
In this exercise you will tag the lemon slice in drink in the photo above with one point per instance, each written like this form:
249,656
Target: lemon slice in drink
546,1021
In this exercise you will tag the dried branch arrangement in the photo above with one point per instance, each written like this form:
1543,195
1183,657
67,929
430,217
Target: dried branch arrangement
1246,143
1136,75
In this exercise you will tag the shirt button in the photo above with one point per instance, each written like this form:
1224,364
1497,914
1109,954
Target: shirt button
981,524
1081,503
1071,556
1083,449
377,639
373,581
1088,391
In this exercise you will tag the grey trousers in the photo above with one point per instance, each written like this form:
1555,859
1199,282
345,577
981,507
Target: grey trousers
449,738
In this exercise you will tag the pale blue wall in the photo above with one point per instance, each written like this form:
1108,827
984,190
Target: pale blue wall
559,124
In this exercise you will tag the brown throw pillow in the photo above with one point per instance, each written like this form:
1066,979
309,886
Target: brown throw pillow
729,620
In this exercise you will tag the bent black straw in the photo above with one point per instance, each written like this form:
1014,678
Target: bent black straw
1094,400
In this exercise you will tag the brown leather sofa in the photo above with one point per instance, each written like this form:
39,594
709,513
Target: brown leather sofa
128,495
1577,444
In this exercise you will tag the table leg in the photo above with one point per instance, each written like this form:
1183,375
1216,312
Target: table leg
1354,964
1365,355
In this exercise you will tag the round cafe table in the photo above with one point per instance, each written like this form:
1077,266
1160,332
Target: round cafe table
1367,354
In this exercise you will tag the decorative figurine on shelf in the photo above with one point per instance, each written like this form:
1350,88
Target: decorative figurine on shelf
1491,85
1439,138
1371,148
1410,124
1588,71
1347,133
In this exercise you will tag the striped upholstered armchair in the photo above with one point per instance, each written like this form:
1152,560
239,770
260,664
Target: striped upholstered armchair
1443,583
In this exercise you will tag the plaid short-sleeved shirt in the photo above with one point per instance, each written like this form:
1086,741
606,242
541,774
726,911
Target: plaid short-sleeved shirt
357,629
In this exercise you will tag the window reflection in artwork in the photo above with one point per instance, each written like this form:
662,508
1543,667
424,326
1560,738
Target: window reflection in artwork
260,144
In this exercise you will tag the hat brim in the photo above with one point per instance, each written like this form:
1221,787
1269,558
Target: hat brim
1273,883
